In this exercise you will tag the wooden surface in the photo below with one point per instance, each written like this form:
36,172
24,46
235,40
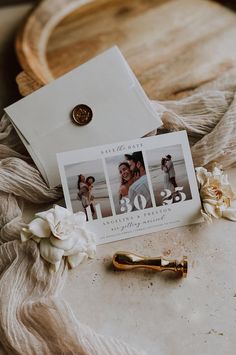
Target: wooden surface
172,46
10,19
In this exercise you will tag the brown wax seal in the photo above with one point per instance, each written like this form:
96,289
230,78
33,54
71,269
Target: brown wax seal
82,114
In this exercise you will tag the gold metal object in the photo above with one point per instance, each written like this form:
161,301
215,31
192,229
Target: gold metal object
123,260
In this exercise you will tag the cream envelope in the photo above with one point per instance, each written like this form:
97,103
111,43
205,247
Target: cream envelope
121,111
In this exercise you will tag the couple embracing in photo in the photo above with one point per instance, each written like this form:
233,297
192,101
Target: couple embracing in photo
168,169
133,179
85,188
169,183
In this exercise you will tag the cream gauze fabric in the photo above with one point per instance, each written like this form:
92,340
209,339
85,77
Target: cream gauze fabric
34,319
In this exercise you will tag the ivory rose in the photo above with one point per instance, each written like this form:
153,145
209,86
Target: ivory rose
61,233
216,194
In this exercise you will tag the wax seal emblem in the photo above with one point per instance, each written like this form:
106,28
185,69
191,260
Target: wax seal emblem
82,114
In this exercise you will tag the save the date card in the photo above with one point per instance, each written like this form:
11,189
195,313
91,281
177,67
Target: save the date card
132,188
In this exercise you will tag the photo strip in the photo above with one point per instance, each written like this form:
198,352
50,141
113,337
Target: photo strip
131,188
88,190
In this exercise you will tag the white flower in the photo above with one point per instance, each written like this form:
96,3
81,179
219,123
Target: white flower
61,233
216,194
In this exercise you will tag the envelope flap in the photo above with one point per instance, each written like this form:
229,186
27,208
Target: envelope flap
106,84
99,80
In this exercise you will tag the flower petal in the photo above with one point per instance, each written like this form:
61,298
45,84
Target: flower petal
80,219
61,212
79,247
202,175
44,213
50,218
76,259
230,213
25,234
211,210
206,216
233,203
36,239
91,251
65,244
85,243
55,267
61,222
49,252
209,201
39,228
216,172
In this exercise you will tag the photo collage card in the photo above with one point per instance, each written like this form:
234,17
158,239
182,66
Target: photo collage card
132,188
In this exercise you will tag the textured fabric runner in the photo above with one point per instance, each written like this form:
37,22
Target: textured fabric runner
34,319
